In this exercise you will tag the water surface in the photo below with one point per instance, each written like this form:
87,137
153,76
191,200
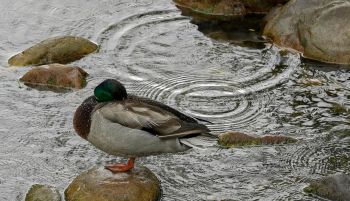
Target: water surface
160,54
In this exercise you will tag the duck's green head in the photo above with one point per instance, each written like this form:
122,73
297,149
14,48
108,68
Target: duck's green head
110,90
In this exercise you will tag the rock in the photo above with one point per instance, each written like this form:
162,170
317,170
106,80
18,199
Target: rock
225,9
55,77
40,192
334,187
62,49
319,29
232,139
100,184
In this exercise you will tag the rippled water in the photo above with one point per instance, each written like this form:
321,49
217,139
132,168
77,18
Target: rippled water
158,53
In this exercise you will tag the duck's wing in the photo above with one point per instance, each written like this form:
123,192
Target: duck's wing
156,120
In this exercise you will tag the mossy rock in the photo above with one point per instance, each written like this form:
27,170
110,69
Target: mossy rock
234,139
62,49
40,192
335,187
139,184
55,77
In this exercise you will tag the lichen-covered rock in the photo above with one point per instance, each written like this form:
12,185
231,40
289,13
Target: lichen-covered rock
335,187
232,139
55,77
225,9
139,184
40,192
62,49
319,29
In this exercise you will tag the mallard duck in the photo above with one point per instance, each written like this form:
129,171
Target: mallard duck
130,126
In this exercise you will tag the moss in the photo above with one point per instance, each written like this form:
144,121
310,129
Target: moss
341,162
296,114
278,69
309,190
338,109
51,81
42,193
83,82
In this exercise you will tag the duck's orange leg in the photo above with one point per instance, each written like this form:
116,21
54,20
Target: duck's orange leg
122,167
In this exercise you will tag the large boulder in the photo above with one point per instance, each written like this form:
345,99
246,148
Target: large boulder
62,49
334,187
55,77
139,184
40,192
319,29
225,9
234,139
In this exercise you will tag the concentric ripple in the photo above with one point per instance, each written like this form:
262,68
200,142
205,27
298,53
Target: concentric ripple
223,103
324,158
169,60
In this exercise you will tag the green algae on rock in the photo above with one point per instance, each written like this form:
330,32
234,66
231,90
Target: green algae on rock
40,192
233,139
55,77
318,29
139,184
61,49
334,187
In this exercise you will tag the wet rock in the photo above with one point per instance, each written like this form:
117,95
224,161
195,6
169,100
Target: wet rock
225,9
55,77
40,192
62,49
335,187
232,139
319,29
140,184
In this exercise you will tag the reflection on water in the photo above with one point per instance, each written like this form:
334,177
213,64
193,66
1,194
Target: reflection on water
160,54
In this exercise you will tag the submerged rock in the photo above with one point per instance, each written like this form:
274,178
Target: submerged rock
243,32
335,187
62,49
232,139
225,9
55,77
319,29
40,192
140,184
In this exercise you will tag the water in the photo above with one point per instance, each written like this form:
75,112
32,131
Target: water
158,53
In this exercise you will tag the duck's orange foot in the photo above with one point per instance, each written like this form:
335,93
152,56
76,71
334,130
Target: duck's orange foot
121,167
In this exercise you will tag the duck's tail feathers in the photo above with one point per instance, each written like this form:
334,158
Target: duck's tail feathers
187,142
187,130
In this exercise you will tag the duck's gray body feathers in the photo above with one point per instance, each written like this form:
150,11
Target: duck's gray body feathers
140,127
119,140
